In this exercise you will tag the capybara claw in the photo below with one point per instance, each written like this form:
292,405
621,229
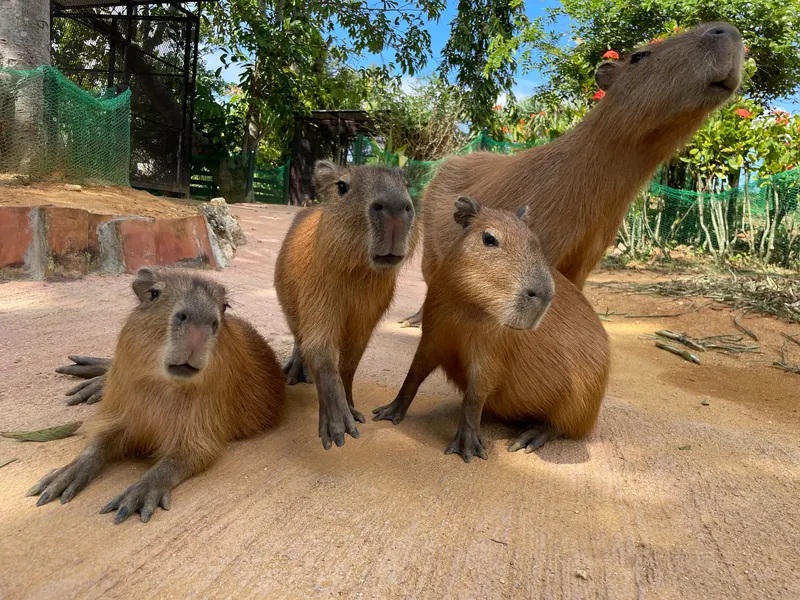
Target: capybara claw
533,438
391,412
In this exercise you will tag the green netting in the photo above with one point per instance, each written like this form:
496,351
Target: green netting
52,129
270,186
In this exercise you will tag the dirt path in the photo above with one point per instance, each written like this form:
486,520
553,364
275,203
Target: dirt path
668,498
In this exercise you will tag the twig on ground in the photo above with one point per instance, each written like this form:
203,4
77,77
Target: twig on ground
784,365
684,354
749,333
791,338
8,462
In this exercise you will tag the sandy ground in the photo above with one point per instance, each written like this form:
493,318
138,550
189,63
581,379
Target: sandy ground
103,200
667,498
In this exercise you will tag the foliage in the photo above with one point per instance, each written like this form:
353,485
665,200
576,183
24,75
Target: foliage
771,30
481,54
422,124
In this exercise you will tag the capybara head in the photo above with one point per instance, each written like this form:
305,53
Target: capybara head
498,266
373,205
683,77
180,315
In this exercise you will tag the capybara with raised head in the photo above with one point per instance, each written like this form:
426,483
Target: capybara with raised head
335,277
185,380
579,186
485,325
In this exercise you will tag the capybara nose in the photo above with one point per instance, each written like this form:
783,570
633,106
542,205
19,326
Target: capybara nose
719,30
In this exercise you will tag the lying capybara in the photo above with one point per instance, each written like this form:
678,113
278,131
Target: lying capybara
185,380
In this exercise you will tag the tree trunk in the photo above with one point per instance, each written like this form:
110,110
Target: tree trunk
24,44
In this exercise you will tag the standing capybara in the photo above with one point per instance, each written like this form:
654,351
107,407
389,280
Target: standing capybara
579,186
335,277
186,379
485,325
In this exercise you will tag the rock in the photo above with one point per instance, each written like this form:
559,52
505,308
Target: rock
225,226
71,187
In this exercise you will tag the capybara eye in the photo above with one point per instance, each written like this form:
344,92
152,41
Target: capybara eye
637,56
225,307
377,207
154,293
343,187
489,239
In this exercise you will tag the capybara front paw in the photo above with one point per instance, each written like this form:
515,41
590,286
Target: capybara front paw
143,497
357,415
332,427
414,320
62,483
467,443
533,438
394,412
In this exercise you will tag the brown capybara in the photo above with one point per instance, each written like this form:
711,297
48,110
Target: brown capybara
579,186
186,379
335,277
481,315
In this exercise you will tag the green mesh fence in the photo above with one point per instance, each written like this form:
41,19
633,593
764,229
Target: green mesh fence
52,129
270,186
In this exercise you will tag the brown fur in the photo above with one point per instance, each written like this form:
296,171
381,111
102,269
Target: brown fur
331,292
579,186
183,422
554,375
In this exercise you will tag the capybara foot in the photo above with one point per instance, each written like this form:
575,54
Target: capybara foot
533,438
467,443
63,483
86,367
143,497
394,412
88,392
296,371
334,423
414,320
358,416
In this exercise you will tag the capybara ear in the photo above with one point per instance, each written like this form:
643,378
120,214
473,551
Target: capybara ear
523,212
324,170
146,278
466,210
607,74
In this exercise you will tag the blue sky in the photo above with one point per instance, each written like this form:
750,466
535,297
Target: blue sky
526,82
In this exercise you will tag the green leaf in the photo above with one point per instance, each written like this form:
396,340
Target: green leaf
44,435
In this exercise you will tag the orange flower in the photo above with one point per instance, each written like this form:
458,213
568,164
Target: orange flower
522,121
678,29
744,113
657,40
542,113
598,95
611,55
505,129
782,120
790,167
497,107
747,49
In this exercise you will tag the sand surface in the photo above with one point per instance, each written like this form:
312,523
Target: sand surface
667,498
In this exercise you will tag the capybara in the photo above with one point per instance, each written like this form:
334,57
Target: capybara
481,312
335,277
185,380
579,186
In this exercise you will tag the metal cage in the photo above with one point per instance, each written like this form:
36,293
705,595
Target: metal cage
150,48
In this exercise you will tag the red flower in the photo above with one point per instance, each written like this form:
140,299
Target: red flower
678,29
505,129
522,121
747,49
657,40
497,107
744,113
598,95
542,113
782,120
790,167
611,55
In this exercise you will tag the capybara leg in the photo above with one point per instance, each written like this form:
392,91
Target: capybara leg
534,438
426,359
468,441
347,367
335,417
296,370
67,481
86,367
89,391
414,320
151,491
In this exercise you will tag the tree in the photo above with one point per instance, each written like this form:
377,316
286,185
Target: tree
25,31
771,30
288,53
480,54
